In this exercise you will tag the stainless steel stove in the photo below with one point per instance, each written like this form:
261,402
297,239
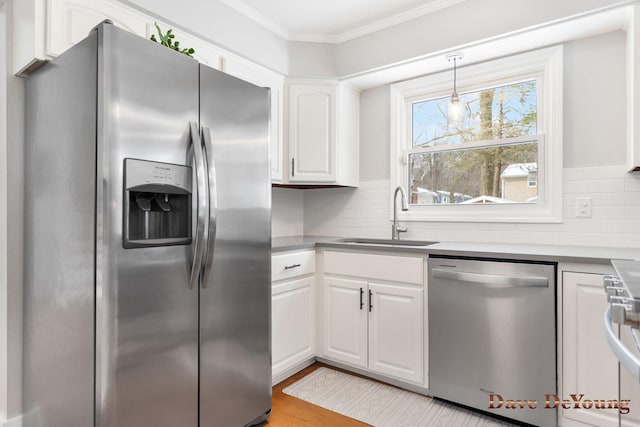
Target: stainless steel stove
622,327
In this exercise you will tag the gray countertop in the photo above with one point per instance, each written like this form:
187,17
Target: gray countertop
498,250
289,243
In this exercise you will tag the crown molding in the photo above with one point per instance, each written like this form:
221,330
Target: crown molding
246,10
583,25
431,7
399,18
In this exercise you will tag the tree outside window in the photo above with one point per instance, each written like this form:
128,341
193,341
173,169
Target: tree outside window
490,158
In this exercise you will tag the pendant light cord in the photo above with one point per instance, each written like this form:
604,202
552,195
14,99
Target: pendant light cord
454,76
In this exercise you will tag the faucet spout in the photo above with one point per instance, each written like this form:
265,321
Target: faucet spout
395,228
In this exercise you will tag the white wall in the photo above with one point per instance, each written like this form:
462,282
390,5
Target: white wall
595,101
594,157
462,24
374,134
312,60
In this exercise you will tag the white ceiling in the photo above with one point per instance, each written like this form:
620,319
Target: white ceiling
333,21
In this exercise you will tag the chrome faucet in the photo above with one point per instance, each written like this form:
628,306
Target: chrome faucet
395,228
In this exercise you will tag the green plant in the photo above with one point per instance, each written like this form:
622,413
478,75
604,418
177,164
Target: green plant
167,40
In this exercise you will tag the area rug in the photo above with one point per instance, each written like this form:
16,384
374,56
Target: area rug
379,404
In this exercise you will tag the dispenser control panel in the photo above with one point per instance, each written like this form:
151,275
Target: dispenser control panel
143,173
157,204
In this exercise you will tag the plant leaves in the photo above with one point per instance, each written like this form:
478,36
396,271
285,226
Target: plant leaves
166,40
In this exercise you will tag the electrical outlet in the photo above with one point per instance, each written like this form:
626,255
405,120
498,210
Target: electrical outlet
583,207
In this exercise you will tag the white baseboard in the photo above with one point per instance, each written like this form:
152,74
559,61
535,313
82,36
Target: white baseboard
13,422
416,388
276,379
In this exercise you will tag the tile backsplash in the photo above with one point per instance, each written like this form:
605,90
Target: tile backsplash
287,212
365,212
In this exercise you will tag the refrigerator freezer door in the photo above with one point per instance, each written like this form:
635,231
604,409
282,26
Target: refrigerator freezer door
146,315
235,361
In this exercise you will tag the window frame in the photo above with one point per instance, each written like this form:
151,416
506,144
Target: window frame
546,66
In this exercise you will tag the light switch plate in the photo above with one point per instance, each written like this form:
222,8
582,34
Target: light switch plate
583,207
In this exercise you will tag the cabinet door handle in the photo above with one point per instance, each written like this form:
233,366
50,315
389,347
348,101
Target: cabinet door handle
370,300
289,267
293,167
361,298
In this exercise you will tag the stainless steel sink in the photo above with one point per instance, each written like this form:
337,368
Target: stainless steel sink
387,242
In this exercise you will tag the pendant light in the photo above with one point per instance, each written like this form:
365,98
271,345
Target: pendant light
455,108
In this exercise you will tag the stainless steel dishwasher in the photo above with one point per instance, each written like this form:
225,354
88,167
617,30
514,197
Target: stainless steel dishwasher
492,336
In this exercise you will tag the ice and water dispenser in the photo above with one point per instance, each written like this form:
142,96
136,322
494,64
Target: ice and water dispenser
157,204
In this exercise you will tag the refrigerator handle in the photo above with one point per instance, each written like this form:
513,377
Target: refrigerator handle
202,210
213,206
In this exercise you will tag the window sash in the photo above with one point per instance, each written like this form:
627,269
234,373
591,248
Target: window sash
547,65
470,145
539,139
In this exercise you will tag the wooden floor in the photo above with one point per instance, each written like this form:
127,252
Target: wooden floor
288,411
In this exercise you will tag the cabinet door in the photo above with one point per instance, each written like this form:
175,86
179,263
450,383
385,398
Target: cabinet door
312,132
588,365
292,324
396,331
345,320
70,21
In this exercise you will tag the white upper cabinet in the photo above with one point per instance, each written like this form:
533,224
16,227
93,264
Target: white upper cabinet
69,21
323,137
312,132
49,27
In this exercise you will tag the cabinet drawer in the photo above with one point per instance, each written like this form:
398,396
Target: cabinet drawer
381,267
292,264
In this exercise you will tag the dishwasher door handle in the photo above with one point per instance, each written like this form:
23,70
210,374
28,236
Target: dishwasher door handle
492,280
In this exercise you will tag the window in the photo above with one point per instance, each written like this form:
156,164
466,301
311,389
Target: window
487,159
503,163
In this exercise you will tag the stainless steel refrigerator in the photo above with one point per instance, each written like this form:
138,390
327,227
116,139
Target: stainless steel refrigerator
147,240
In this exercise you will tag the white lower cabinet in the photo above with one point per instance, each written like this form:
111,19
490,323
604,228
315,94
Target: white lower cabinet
345,320
589,367
292,312
292,323
395,331
371,323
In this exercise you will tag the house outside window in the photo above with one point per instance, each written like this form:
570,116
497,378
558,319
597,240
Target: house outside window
467,163
519,182
503,163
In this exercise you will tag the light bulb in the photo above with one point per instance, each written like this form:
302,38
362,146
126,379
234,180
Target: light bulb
455,111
